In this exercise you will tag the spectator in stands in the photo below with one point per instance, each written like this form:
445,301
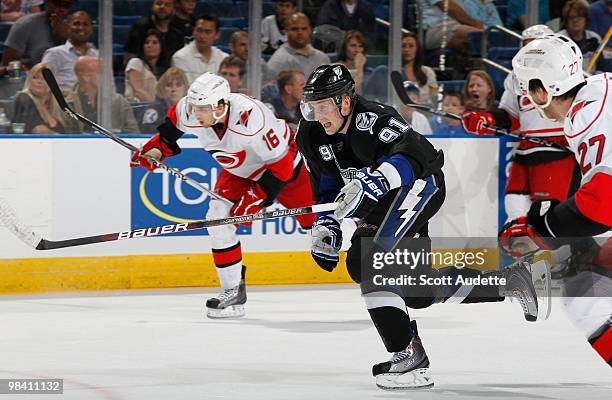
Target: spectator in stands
62,58
600,17
458,26
232,69
161,16
575,16
483,10
349,15
297,53
452,103
239,46
35,106
171,87
83,99
183,17
200,55
413,69
352,56
286,105
273,26
31,35
517,15
416,119
141,72
12,10
479,91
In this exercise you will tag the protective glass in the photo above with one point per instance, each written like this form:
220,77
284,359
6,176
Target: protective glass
315,110
192,109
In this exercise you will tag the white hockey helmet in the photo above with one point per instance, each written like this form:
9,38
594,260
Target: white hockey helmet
208,90
554,60
536,32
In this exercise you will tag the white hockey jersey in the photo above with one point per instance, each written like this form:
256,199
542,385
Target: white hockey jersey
252,139
588,129
532,124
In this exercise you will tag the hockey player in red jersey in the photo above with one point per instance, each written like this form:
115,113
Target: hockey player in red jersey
260,163
549,72
537,171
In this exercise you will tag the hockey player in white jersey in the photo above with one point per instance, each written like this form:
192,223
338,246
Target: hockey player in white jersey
260,163
537,171
549,72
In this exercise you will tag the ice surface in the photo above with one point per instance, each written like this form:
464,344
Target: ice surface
297,342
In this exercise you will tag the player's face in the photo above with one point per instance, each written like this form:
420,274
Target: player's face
539,97
207,115
325,112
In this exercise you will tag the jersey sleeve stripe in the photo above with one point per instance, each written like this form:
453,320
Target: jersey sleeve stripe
603,103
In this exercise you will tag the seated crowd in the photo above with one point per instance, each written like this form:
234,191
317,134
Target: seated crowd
167,50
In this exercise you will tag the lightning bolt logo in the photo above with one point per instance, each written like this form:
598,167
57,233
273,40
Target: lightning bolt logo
409,203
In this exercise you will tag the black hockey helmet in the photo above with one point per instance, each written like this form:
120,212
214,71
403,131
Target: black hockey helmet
329,81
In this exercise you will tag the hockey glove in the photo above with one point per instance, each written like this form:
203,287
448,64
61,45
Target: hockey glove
155,148
326,238
360,196
474,121
529,233
251,202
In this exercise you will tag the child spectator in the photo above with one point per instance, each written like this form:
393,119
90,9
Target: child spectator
479,91
452,103
416,119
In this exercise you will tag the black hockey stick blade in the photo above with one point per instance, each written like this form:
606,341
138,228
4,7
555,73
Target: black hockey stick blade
45,244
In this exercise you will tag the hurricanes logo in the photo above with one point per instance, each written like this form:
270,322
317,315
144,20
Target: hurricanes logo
229,160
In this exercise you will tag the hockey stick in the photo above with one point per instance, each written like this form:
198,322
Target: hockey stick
597,53
398,85
9,219
59,97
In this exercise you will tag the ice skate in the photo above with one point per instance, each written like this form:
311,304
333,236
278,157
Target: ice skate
230,303
407,369
530,284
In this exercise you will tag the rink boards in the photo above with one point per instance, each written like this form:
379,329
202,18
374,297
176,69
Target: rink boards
73,186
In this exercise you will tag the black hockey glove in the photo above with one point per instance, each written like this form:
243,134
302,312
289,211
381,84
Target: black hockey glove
326,242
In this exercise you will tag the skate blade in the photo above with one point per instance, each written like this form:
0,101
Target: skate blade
412,380
541,278
235,311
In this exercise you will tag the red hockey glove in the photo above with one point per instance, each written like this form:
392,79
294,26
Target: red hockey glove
474,121
250,203
529,233
154,148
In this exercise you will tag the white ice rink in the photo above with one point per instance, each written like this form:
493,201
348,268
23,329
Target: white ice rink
297,342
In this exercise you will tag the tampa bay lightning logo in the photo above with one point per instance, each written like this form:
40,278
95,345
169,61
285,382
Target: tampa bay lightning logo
365,120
